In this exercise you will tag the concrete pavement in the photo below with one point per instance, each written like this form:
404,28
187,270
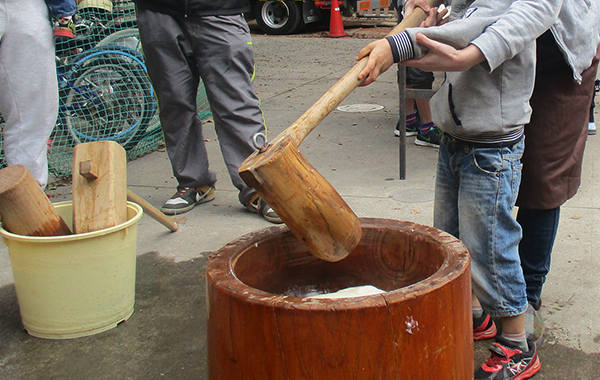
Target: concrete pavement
358,154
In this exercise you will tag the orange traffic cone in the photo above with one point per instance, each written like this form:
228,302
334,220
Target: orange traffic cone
336,26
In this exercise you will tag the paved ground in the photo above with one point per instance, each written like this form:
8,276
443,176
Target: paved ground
358,155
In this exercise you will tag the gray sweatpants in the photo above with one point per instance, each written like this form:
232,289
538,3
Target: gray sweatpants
217,49
28,85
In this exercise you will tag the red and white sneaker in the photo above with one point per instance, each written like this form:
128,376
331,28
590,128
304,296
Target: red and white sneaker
508,362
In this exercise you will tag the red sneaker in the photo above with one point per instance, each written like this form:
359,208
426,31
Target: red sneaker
484,327
507,362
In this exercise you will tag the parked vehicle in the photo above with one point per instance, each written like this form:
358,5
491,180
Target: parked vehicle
289,16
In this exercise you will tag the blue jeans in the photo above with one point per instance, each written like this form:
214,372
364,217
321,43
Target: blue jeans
61,8
539,231
475,193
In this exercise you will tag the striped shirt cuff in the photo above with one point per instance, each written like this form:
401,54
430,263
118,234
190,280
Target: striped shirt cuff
402,47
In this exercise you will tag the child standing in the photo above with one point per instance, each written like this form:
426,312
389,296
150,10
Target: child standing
418,111
482,109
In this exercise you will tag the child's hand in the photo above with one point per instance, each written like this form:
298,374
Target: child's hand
442,57
380,59
410,5
433,16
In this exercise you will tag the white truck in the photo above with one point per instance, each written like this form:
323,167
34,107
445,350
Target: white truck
289,16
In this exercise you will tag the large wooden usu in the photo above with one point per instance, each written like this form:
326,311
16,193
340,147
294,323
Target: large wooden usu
260,326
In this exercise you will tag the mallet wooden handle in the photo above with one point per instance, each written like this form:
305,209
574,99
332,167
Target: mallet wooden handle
152,211
332,98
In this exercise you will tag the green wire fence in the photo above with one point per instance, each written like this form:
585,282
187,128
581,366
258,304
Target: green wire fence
104,89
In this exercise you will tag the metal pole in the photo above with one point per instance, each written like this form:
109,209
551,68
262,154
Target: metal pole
402,120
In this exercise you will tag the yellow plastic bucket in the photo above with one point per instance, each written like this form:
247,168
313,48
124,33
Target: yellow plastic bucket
75,285
106,5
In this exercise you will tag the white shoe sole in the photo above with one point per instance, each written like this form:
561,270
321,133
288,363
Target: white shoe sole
426,144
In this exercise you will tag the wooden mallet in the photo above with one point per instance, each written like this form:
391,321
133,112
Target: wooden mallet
24,207
310,207
100,190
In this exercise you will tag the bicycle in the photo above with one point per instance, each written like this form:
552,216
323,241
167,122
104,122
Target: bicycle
108,96
104,94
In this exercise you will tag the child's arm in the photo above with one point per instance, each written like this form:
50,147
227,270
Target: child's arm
380,52
404,46
454,51
524,21
442,57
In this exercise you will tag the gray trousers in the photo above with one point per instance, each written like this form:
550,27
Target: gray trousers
218,49
28,84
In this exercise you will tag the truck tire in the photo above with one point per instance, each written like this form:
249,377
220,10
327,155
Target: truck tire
278,17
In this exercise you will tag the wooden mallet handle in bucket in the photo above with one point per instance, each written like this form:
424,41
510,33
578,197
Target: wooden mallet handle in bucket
24,207
152,211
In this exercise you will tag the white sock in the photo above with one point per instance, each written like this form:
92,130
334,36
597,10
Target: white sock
520,340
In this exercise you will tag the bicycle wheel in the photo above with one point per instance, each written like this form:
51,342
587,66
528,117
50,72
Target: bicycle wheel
130,38
109,97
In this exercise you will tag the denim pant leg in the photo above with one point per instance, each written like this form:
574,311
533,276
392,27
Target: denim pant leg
475,193
539,231
447,181
61,8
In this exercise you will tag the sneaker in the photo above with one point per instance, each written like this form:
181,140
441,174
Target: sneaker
411,129
591,128
432,138
258,206
484,327
186,198
507,362
64,28
534,325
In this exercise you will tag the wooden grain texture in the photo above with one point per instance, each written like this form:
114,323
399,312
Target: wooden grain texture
260,326
306,202
99,186
152,211
24,207
312,209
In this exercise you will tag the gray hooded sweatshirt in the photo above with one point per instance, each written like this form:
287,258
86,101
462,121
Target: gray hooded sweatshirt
485,104
576,31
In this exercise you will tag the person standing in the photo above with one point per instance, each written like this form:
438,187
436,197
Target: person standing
28,84
419,121
187,41
573,38
482,107
556,138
